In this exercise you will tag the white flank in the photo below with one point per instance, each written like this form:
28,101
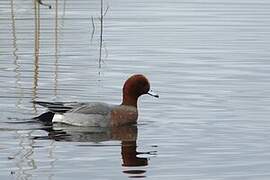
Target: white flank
78,119
57,118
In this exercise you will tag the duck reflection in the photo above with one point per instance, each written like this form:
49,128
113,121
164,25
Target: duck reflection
126,134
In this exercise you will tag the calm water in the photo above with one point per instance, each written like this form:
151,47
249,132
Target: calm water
208,60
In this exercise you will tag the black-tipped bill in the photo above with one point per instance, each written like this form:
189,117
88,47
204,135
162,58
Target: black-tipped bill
151,93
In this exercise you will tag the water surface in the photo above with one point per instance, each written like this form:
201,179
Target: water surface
208,60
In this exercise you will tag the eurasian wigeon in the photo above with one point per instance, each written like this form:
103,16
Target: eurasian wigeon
97,113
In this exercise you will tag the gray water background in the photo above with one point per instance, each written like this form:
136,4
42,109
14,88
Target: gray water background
208,61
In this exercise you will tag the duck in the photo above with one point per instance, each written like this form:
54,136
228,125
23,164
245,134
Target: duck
99,114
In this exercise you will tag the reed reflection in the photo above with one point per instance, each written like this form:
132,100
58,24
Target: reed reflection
56,49
24,159
15,55
36,51
126,134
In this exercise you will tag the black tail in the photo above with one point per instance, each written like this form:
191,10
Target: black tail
46,118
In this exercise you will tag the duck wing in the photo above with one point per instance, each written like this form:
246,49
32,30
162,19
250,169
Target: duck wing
78,114
75,107
93,108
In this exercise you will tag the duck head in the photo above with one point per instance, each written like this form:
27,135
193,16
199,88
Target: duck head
134,87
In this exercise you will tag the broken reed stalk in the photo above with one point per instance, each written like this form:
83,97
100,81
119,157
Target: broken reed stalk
44,4
93,23
93,29
101,33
